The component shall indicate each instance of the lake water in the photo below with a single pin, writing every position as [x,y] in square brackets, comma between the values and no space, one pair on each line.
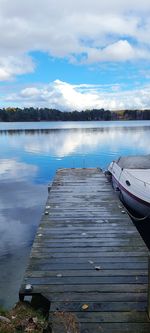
[30,153]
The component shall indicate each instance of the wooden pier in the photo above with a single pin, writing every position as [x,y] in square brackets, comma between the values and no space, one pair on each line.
[88,259]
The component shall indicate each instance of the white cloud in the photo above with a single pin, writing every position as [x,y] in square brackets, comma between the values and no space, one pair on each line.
[11,66]
[119,51]
[64,96]
[100,30]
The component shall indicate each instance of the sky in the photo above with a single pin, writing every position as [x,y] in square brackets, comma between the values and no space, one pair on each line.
[75,54]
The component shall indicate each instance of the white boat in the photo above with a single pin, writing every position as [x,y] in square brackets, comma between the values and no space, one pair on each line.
[130,176]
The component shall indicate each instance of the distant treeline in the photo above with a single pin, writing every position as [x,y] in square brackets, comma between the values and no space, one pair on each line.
[41,114]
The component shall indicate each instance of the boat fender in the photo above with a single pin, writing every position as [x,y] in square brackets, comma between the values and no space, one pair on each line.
[108,175]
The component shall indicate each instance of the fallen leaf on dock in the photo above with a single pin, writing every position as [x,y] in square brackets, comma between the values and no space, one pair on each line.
[59,275]
[97,268]
[85,306]
[91,262]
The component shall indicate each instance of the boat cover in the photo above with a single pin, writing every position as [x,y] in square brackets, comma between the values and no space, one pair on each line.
[134,162]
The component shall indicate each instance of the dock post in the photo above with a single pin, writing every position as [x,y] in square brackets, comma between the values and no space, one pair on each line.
[149,286]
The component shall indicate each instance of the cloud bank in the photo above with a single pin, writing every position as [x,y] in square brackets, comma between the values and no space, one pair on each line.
[82,31]
[66,97]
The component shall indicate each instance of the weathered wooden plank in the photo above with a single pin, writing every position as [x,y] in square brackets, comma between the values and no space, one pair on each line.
[114,262]
[112,317]
[85,297]
[105,219]
[88,242]
[79,209]
[91,280]
[114,246]
[93,226]
[112,328]
[94,244]
[45,265]
[87,288]
[122,306]
[103,249]
[89,234]
[83,257]
[82,272]
[126,255]
[98,297]
[86,239]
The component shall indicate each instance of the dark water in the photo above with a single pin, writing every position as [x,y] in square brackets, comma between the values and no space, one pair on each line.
[30,153]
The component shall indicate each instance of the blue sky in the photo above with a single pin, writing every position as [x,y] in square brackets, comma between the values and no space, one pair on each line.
[75,54]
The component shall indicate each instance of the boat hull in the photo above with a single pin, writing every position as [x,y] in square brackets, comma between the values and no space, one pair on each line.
[131,201]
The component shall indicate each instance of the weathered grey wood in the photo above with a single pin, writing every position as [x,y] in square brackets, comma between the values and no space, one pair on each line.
[91,254]
[133,264]
[85,273]
[87,250]
[79,280]
[84,257]
[58,266]
[102,288]
[87,241]
[85,297]
[103,249]
[115,328]
[112,317]
[99,306]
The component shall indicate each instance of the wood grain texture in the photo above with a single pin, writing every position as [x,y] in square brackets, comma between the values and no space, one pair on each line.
[87,251]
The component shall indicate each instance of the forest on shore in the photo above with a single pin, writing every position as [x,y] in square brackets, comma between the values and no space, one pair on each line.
[46,114]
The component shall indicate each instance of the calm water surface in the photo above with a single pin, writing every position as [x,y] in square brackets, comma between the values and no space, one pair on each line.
[30,153]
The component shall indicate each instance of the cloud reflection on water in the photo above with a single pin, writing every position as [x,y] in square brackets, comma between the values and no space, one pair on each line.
[21,204]
[62,143]
[13,170]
